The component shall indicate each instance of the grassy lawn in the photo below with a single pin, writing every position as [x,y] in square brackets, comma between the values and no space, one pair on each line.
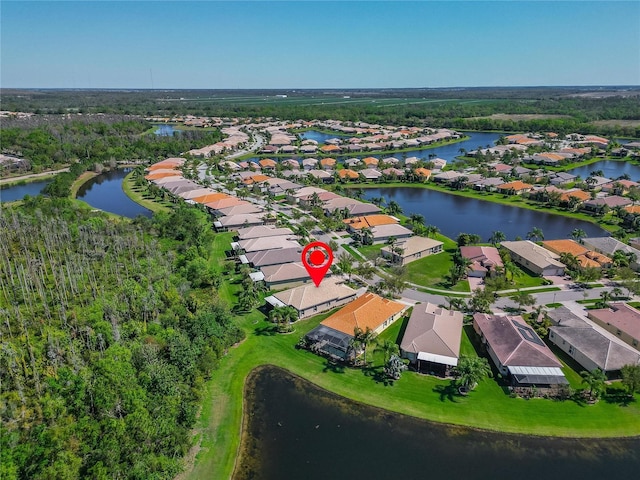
[138,195]
[431,271]
[523,279]
[371,252]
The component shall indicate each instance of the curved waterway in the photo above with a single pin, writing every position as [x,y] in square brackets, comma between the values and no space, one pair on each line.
[454,214]
[17,192]
[105,192]
[294,429]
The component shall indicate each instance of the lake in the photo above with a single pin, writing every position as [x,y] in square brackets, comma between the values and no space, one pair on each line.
[297,430]
[105,193]
[321,137]
[17,192]
[453,214]
[611,169]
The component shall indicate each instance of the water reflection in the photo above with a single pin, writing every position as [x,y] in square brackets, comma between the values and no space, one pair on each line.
[453,214]
[105,192]
[296,430]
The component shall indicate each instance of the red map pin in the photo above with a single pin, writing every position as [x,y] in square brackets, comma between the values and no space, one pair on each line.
[317,257]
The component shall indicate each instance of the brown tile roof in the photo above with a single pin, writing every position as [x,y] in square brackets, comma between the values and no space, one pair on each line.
[267,163]
[157,175]
[369,310]
[328,162]
[622,316]
[565,246]
[330,148]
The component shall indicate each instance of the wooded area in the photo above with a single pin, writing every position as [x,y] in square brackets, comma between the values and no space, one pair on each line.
[109,330]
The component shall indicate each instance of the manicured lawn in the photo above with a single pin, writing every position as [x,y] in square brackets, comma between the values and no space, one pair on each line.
[523,279]
[371,251]
[430,271]
[138,195]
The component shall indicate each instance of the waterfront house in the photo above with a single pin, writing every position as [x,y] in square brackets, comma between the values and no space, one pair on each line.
[347,174]
[609,246]
[355,224]
[518,352]
[321,175]
[431,341]
[413,248]
[328,163]
[534,258]
[371,174]
[334,335]
[606,203]
[620,319]
[586,257]
[382,233]
[309,300]
[589,344]
[514,188]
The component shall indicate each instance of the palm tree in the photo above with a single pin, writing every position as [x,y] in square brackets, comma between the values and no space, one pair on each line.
[578,234]
[345,264]
[416,219]
[535,234]
[594,380]
[432,230]
[524,299]
[394,208]
[497,237]
[364,338]
[387,348]
[378,201]
[470,371]
[365,270]
[367,236]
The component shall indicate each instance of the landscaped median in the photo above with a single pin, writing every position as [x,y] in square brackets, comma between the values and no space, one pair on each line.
[488,407]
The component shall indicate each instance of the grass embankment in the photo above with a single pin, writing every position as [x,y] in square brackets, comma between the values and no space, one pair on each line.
[78,182]
[138,195]
[488,407]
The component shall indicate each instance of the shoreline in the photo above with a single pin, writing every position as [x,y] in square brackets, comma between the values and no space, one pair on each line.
[31,177]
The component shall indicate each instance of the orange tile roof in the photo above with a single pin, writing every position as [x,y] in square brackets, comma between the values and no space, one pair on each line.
[369,310]
[551,156]
[267,162]
[370,161]
[330,148]
[210,197]
[517,185]
[225,202]
[579,194]
[328,162]
[348,173]
[255,179]
[565,246]
[423,172]
[367,221]
[166,164]
[635,209]
[156,176]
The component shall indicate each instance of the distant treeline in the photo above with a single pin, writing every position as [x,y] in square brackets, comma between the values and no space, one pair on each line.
[109,330]
[84,145]
[456,108]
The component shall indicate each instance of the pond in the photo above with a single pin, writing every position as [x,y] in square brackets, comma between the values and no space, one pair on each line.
[297,430]
[453,215]
[611,169]
[17,192]
[321,137]
[105,192]
[165,130]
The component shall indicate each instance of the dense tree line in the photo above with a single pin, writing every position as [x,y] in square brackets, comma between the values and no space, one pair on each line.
[63,142]
[457,108]
[106,340]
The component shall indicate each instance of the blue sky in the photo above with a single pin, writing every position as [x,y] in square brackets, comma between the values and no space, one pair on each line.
[318,44]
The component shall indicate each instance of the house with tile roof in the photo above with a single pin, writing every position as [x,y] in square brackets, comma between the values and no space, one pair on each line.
[334,334]
[621,319]
[431,341]
[285,275]
[518,352]
[589,344]
[411,249]
[348,174]
[484,260]
[534,258]
[328,163]
[262,231]
[263,258]
[355,224]
[309,300]
[514,188]
[587,258]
